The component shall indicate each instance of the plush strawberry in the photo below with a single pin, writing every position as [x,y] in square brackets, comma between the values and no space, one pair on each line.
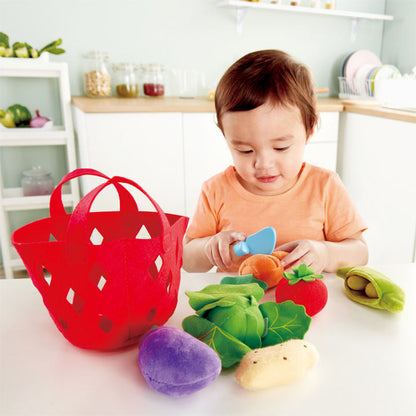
[303,287]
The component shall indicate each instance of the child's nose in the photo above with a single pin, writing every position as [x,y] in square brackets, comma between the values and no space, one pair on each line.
[263,161]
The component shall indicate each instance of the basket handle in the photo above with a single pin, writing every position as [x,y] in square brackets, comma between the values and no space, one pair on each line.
[56,206]
[76,235]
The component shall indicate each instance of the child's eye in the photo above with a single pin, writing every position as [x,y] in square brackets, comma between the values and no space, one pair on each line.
[281,149]
[245,152]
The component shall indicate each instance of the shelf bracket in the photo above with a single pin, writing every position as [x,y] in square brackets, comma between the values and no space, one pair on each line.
[355,24]
[240,14]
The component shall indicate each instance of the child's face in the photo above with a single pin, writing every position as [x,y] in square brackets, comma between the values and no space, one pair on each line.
[267,145]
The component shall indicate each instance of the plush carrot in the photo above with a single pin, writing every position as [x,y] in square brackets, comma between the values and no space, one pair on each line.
[266,267]
[303,287]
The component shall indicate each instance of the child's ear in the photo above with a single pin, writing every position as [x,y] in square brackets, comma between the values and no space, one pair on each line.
[311,132]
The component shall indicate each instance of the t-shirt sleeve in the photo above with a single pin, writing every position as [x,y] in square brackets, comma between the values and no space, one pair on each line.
[204,221]
[342,217]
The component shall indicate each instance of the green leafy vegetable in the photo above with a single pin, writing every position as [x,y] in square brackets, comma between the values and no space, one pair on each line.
[52,47]
[286,321]
[243,279]
[229,348]
[4,40]
[24,50]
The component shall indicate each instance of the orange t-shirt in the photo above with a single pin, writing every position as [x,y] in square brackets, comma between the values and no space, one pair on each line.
[317,207]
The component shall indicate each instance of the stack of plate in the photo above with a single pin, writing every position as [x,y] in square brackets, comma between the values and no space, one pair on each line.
[359,70]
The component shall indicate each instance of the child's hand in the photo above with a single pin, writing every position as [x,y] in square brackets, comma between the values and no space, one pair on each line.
[219,251]
[312,253]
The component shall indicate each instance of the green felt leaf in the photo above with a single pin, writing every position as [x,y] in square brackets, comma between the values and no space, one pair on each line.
[286,321]
[242,320]
[229,348]
[243,279]
[206,298]
[303,272]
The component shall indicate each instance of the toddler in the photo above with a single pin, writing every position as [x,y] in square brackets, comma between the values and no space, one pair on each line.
[266,109]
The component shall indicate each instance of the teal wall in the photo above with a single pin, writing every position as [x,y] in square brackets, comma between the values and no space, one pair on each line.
[187,34]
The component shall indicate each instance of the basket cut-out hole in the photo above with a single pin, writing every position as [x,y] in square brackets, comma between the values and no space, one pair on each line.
[143,233]
[151,314]
[75,301]
[46,275]
[105,325]
[98,276]
[158,263]
[96,237]
[52,237]
[63,324]
[101,283]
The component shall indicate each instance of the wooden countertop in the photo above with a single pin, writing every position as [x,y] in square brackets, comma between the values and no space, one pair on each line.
[167,104]
[204,105]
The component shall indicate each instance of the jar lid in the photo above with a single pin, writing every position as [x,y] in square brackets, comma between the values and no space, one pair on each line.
[36,171]
[152,67]
[95,55]
[125,66]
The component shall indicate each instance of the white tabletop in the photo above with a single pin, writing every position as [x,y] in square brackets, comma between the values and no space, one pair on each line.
[367,363]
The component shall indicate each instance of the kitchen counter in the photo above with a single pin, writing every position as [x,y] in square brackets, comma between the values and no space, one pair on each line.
[167,104]
[367,363]
[201,105]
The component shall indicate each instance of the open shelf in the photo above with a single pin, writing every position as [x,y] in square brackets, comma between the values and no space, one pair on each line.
[33,137]
[14,200]
[243,6]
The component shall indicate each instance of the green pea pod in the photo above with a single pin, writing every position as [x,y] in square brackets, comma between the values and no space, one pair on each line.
[387,295]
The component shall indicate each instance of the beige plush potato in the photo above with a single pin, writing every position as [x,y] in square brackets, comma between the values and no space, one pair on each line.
[275,365]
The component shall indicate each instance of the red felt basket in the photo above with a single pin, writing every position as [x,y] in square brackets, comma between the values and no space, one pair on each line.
[104,296]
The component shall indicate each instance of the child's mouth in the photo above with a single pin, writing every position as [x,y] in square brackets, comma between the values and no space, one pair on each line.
[267,179]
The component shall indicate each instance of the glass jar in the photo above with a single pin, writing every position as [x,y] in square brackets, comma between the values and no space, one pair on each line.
[330,4]
[153,80]
[37,181]
[125,78]
[97,78]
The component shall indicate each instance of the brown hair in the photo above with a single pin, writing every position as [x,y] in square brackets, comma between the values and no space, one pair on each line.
[267,75]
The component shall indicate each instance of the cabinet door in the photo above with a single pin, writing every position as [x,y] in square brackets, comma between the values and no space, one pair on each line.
[206,153]
[322,147]
[144,147]
[378,168]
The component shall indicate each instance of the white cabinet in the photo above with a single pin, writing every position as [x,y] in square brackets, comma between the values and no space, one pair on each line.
[377,165]
[144,147]
[11,198]
[206,153]
[322,147]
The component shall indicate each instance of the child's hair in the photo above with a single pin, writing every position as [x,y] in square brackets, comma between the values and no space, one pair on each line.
[267,75]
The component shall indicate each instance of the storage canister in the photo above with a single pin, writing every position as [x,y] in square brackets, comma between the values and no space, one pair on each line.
[97,78]
[153,80]
[37,181]
[125,78]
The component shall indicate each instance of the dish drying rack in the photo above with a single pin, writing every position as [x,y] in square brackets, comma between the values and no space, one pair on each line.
[362,90]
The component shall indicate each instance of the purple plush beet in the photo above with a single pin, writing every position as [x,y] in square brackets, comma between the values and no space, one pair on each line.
[175,363]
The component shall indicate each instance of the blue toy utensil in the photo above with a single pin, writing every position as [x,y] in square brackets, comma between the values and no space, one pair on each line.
[262,242]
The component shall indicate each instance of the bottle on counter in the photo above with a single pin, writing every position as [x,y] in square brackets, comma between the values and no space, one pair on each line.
[37,181]
[153,80]
[97,78]
[126,79]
